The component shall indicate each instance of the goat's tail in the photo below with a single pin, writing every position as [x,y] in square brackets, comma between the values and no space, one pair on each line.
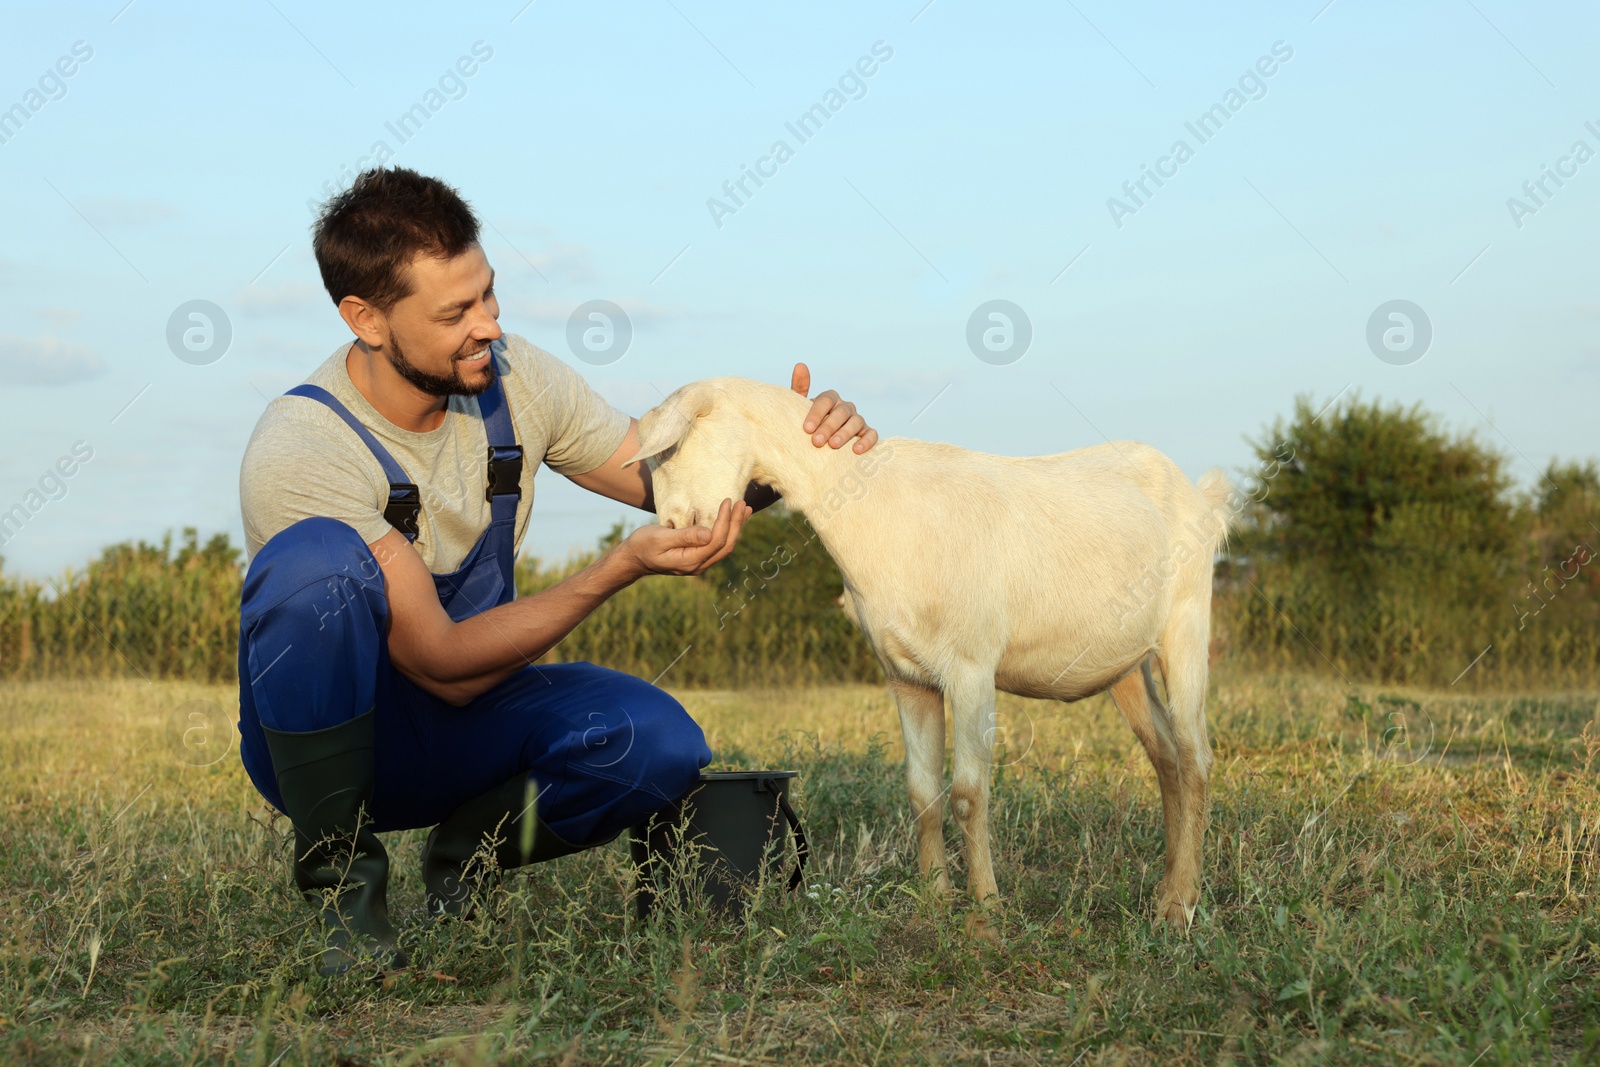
[1220,499]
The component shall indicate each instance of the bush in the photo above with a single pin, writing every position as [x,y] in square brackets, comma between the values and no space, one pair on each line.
[1383,547]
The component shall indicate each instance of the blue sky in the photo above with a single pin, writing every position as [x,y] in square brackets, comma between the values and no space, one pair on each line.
[177,160]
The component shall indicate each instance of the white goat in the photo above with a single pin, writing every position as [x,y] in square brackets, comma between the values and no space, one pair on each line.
[1055,576]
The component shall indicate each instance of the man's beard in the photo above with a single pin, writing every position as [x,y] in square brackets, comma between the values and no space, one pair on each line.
[436,384]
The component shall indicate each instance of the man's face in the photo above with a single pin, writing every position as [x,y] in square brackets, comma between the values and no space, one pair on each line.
[439,336]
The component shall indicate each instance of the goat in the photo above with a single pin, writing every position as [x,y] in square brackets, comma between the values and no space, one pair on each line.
[1057,576]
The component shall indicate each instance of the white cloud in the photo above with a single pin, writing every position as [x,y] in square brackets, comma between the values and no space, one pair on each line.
[60,318]
[878,383]
[525,244]
[46,360]
[633,395]
[283,298]
[123,211]
[269,348]
[273,381]
[868,388]
[550,312]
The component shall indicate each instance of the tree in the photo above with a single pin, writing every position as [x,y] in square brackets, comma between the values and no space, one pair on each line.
[1566,511]
[1336,485]
[1383,541]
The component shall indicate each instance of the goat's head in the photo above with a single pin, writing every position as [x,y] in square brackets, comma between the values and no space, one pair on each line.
[697,446]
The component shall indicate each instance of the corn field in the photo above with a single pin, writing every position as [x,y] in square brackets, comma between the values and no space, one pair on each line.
[767,615]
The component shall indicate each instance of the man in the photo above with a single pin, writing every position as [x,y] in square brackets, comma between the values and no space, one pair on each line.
[386,672]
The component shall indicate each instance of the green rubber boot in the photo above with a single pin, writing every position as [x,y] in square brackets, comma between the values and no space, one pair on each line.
[339,865]
[502,823]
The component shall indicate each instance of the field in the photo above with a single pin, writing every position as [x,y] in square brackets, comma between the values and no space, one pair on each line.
[1392,876]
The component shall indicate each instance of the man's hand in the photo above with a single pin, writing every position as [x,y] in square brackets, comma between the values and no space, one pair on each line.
[658,549]
[832,421]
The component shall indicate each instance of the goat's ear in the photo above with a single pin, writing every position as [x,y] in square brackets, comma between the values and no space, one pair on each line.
[665,425]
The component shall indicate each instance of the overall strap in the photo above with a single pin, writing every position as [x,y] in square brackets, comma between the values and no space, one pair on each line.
[405,503]
[505,455]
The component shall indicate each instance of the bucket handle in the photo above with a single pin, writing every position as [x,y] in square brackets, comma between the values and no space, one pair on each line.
[801,849]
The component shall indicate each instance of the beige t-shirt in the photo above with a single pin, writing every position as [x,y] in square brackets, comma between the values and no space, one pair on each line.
[304,460]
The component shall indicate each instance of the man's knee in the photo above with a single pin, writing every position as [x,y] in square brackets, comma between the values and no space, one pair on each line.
[322,562]
[678,748]
[641,734]
[311,627]
[318,544]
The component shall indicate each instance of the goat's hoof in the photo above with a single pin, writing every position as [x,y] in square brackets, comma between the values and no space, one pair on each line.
[980,928]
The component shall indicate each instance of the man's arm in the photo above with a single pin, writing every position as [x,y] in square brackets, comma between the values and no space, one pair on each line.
[456,661]
[831,421]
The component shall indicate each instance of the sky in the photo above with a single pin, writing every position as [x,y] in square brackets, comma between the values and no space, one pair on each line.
[1335,158]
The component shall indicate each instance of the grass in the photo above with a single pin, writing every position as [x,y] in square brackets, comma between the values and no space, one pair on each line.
[1392,876]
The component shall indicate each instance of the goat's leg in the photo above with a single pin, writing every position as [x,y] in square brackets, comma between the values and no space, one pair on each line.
[1185,653]
[922,726]
[1133,701]
[972,712]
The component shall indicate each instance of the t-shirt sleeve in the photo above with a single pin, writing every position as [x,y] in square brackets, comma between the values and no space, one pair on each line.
[295,468]
[585,428]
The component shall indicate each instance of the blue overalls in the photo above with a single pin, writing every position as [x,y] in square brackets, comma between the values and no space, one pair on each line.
[605,749]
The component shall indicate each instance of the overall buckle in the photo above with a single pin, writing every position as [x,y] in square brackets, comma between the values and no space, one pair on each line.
[405,508]
[505,472]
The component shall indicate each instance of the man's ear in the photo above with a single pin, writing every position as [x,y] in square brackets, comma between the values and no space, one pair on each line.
[666,424]
[365,321]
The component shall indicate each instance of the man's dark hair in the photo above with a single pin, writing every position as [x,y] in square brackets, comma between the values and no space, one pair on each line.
[367,234]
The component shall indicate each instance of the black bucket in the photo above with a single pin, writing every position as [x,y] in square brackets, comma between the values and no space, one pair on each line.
[736,821]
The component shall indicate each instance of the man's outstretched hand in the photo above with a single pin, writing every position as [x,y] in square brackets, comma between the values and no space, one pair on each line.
[831,420]
[659,549]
